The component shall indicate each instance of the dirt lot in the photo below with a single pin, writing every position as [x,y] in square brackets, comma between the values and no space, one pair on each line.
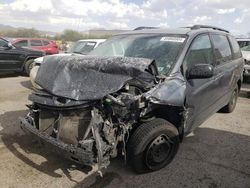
[216,155]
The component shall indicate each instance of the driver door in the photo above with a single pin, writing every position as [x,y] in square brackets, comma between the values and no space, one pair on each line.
[202,94]
[9,57]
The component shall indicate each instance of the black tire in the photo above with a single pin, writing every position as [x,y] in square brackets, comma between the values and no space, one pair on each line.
[232,103]
[153,145]
[28,65]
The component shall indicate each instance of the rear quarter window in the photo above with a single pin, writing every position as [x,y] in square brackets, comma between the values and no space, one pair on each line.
[235,47]
[222,48]
[45,43]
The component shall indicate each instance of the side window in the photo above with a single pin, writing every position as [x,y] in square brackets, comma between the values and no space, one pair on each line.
[36,43]
[246,43]
[243,43]
[200,52]
[235,47]
[222,48]
[3,43]
[45,43]
[118,49]
[21,43]
[240,43]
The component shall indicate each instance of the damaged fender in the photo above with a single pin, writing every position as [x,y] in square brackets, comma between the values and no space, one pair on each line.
[171,91]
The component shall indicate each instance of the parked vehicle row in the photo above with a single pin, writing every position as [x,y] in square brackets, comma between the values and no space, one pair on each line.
[138,94]
[17,59]
[19,55]
[48,46]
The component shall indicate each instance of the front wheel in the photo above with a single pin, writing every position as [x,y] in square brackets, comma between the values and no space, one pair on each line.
[153,145]
[28,66]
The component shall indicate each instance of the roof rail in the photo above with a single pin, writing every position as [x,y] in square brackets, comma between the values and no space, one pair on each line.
[208,27]
[144,27]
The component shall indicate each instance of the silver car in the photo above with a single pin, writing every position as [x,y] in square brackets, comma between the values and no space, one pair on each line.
[245,49]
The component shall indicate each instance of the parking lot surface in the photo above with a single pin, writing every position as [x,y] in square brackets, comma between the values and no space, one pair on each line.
[217,154]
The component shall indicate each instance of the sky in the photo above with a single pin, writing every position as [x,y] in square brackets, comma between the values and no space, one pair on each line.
[57,15]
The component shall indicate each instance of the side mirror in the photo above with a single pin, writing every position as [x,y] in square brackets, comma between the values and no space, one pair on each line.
[200,71]
[9,45]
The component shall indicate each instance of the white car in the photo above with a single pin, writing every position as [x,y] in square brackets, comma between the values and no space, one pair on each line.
[81,47]
[245,49]
[85,46]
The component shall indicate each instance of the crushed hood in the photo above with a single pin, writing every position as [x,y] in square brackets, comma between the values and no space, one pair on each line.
[91,77]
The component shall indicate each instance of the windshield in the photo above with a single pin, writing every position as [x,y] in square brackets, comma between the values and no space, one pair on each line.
[82,47]
[164,49]
[246,48]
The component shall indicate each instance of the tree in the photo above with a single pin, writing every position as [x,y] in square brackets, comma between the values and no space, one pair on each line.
[20,33]
[71,35]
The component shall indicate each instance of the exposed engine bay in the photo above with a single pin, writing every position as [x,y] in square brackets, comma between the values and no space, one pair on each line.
[89,106]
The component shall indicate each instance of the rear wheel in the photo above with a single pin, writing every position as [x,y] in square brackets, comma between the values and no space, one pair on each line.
[153,145]
[28,66]
[232,103]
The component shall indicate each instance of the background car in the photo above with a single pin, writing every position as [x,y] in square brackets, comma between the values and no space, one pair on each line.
[245,49]
[14,58]
[81,47]
[85,46]
[243,42]
[49,47]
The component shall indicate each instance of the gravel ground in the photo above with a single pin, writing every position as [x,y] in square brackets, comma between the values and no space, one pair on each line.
[215,155]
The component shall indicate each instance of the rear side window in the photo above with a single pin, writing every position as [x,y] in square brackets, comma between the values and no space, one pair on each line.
[235,47]
[21,43]
[45,43]
[222,48]
[36,43]
[200,52]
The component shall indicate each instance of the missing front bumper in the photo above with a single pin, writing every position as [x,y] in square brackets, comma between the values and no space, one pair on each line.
[69,151]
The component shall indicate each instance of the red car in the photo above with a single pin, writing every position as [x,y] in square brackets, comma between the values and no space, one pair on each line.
[49,47]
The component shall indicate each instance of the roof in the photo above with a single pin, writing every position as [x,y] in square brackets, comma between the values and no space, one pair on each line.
[177,31]
[181,31]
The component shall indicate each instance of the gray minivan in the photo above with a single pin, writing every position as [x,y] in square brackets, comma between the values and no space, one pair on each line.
[136,95]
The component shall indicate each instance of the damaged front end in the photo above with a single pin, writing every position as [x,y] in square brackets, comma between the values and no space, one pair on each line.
[89,105]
